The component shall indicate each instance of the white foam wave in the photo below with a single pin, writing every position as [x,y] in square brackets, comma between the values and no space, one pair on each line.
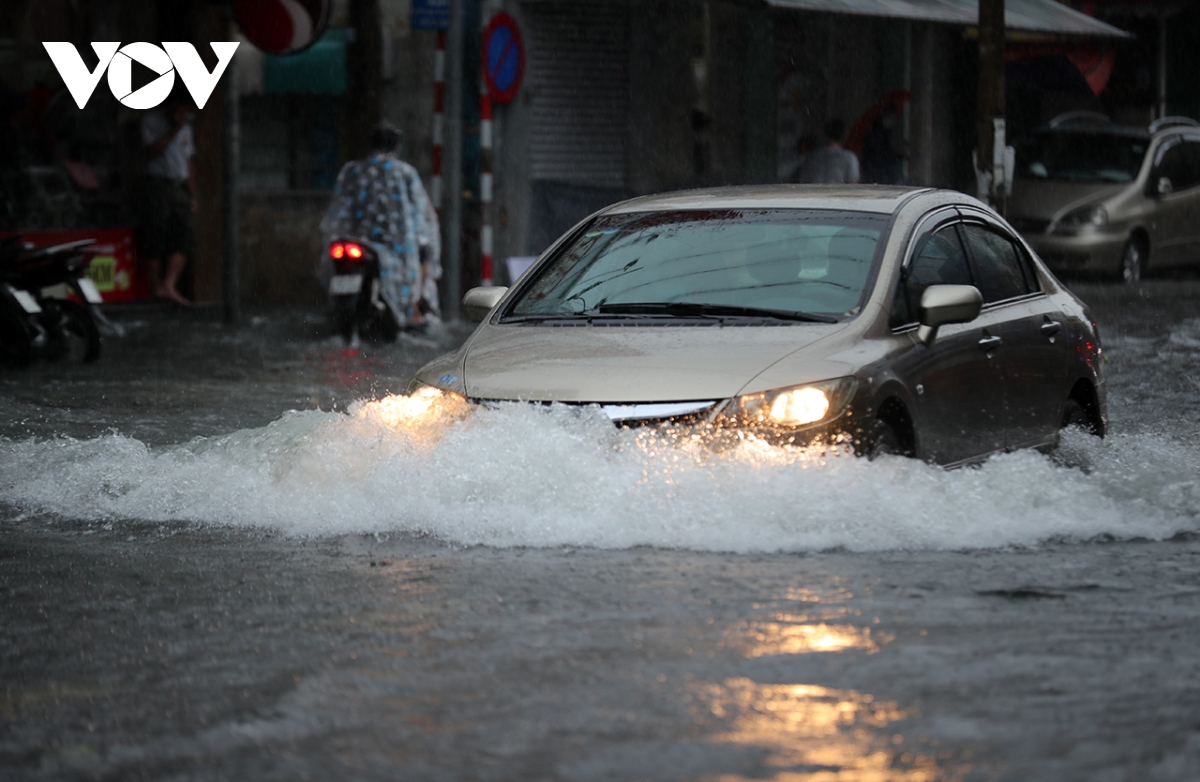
[518,476]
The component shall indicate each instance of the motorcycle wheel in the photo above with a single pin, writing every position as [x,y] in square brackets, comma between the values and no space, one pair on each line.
[16,343]
[74,336]
[345,313]
[384,327]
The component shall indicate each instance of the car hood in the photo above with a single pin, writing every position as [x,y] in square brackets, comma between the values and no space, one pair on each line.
[626,364]
[1047,199]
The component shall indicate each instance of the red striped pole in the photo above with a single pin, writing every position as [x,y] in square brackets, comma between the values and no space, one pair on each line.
[485,183]
[439,97]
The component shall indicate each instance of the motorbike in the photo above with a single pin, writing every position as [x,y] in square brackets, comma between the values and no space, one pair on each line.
[354,290]
[48,306]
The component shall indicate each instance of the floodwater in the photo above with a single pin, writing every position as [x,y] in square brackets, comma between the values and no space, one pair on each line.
[230,554]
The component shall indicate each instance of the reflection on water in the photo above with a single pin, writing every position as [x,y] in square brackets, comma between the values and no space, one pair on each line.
[818,628]
[346,367]
[812,733]
[832,593]
[820,734]
[795,634]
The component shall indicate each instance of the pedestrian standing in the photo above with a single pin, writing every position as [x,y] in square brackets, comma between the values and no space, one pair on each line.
[168,227]
[831,163]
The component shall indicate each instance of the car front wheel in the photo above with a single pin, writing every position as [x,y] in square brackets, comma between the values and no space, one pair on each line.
[883,441]
[1133,262]
[1075,416]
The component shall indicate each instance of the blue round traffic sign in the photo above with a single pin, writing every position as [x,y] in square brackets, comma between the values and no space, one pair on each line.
[503,58]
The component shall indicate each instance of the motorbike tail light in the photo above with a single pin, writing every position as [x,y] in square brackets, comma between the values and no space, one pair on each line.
[346,252]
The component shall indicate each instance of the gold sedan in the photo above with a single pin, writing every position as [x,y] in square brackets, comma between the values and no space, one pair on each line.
[911,321]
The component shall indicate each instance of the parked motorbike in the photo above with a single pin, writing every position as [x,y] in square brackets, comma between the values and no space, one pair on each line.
[358,309]
[48,307]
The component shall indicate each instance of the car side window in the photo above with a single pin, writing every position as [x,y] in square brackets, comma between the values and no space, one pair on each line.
[1172,163]
[939,259]
[1191,149]
[998,263]
[1032,283]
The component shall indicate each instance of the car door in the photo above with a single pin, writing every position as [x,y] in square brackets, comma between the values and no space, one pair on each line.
[1170,181]
[1190,247]
[959,406]
[1032,356]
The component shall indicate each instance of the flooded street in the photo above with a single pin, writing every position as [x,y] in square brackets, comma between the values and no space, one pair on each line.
[224,556]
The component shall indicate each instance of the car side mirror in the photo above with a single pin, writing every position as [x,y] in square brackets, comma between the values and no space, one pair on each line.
[478,302]
[945,304]
[1164,186]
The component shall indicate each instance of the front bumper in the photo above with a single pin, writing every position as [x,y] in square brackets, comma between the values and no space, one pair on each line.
[835,431]
[706,417]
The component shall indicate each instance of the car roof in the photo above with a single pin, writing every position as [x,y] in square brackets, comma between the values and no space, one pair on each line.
[880,199]
[1097,123]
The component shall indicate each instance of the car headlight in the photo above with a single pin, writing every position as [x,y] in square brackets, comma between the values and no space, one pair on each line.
[1085,215]
[422,399]
[421,405]
[792,407]
[420,388]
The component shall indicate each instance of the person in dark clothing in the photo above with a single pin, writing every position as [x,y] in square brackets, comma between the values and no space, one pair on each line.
[882,151]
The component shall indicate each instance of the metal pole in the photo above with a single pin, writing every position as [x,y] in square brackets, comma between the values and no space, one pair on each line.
[991,84]
[1162,67]
[439,121]
[485,182]
[921,168]
[452,268]
[231,288]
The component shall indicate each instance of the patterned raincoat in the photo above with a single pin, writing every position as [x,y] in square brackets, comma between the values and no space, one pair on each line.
[380,200]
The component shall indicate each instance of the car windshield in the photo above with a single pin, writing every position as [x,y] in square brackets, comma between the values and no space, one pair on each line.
[719,263]
[1080,156]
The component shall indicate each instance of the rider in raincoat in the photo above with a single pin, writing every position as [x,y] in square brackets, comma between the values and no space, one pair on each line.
[380,200]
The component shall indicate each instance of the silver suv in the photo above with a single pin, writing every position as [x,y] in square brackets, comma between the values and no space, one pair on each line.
[1095,197]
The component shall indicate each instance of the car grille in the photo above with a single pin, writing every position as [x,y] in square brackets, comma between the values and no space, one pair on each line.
[682,322]
[654,414]
[638,415]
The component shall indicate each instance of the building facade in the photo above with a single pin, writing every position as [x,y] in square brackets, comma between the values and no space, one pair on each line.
[618,98]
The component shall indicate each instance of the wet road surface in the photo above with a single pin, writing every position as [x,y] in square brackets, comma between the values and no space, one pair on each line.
[161,633]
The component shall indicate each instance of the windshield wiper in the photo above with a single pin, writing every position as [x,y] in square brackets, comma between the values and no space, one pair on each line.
[540,317]
[685,309]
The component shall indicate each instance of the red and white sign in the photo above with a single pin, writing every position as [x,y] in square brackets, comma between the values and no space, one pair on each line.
[114,268]
[282,26]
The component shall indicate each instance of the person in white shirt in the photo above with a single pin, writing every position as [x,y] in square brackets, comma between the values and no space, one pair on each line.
[831,164]
[168,231]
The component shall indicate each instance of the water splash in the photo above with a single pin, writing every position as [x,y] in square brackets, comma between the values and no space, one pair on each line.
[544,477]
